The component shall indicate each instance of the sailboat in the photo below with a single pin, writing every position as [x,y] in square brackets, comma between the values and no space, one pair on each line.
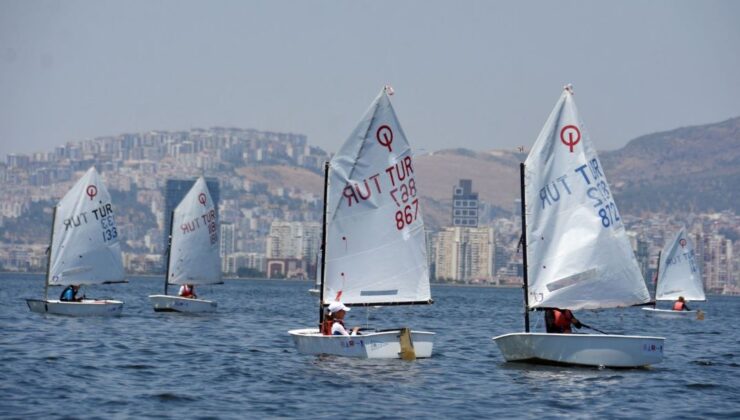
[373,241]
[84,249]
[576,252]
[678,275]
[193,251]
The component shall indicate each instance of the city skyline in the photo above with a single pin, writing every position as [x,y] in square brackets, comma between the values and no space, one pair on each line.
[478,75]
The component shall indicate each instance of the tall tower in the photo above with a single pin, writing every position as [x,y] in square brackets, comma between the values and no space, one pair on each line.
[464,204]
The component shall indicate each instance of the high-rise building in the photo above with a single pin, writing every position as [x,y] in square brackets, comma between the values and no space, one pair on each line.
[643,259]
[718,262]
[175,191]
[464,204]
[299,240]
[464,254]
[227,245]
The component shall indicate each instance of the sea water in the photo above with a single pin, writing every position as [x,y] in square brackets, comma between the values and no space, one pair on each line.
[241,363]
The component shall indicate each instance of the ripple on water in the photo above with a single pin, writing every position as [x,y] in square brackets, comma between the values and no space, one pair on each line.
[137,366]
[701,386]
[172,397]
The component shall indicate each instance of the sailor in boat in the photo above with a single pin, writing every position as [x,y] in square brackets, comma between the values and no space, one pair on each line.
[187,291]
[337,311]
[680,305]
[559,321]
[69,294]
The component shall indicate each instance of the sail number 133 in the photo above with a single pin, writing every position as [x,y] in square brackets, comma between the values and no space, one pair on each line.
[408,204]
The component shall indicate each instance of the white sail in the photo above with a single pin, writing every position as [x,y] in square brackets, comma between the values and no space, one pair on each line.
[375,251]
[678,274]
[85,248]
[578,254]
[194,253]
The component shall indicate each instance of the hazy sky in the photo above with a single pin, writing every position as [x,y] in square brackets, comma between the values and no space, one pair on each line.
[475,74]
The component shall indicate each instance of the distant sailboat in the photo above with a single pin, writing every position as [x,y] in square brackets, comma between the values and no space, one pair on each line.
[678,276]
[193,256]
[373,239]
[576,252]
[84,249]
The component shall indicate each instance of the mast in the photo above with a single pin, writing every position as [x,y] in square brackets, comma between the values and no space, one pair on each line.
[525,286]
[657,277]
[323,246]
[48,258]
[169,252]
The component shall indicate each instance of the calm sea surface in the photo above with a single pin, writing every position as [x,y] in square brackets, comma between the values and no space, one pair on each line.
[241,362]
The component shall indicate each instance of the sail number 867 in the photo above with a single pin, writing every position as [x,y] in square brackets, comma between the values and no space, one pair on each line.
[405,198]
[408,215]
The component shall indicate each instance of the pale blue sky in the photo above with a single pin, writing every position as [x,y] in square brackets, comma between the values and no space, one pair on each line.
[475,74]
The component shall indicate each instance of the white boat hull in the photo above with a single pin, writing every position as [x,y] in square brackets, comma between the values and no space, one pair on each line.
[671,314]
[166,303]
[618,351]
[369,345]
[87,307]
[314,292]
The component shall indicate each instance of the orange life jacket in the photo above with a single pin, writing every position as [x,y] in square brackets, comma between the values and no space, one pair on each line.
[326,326]
[678,306]
[562,320]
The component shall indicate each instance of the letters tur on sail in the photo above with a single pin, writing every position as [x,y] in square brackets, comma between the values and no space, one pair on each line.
[194,251]
[85,248]
[579,256]
[679,274]
[376,245]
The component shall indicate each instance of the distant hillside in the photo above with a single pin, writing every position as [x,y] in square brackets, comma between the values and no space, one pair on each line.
[687,169]
[284,176]
[494,176]
[692,168]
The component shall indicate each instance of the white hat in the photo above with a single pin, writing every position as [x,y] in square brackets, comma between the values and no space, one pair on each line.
[335,307]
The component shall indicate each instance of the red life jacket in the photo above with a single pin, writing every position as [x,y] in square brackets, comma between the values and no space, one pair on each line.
[562,320]
[326,326]
[678,306]
[186,292]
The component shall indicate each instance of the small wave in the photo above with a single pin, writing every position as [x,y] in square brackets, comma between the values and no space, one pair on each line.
[168,396]
[701,386]
[137,366]
[702,362]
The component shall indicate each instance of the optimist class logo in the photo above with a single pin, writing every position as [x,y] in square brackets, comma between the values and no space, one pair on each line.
[202,199]
[91,191]
[384,135]
[573,136]
[682,242]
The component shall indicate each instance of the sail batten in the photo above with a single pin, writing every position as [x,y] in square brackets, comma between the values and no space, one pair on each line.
[679,273]
[579,256]
[85,248]
[194,251]
[376,245]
